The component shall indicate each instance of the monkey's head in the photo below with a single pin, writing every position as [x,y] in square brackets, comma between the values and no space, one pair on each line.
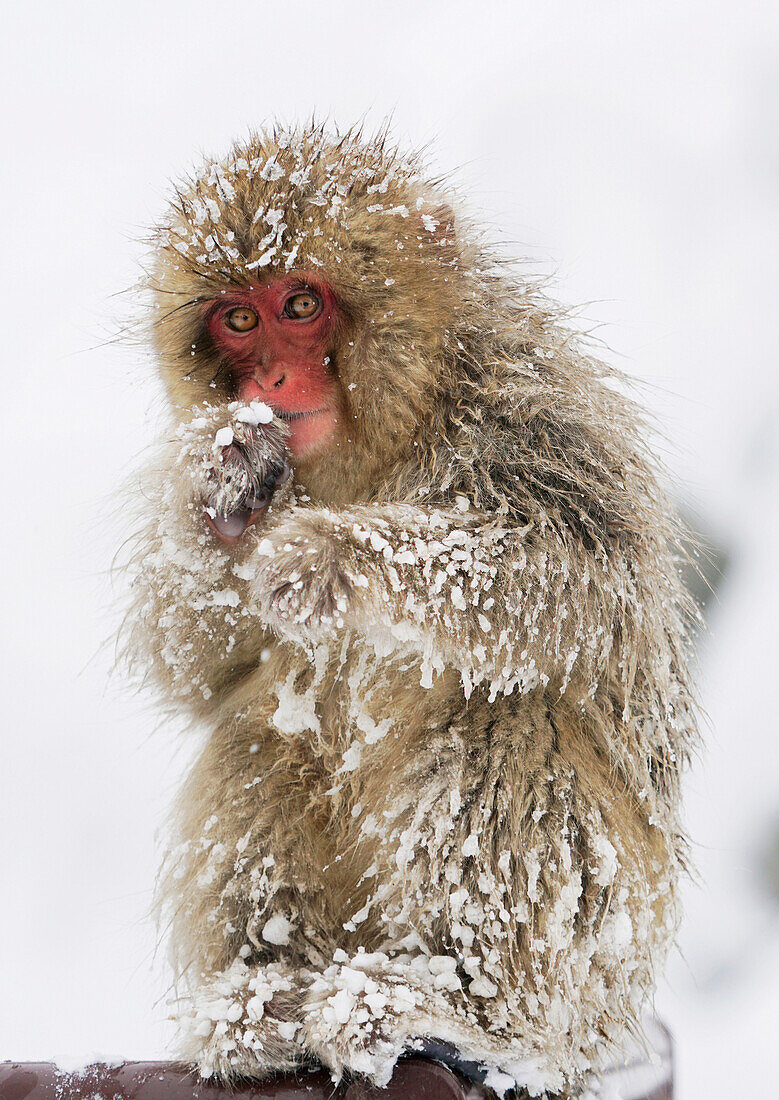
[322,275]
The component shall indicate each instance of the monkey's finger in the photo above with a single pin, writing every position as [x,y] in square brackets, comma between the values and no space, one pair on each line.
[231,528]
[277,476]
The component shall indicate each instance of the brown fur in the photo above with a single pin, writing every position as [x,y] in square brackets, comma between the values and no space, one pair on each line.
[462,630]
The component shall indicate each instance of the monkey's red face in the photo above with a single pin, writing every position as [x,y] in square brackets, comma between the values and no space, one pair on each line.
[279,341]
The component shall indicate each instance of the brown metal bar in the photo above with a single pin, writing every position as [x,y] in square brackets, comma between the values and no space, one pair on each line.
[414,1079]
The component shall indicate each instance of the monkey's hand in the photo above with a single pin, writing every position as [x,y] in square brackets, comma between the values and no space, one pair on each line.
[301,589]
[235,459]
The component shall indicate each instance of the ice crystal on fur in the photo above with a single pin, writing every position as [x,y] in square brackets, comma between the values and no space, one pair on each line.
[445,679]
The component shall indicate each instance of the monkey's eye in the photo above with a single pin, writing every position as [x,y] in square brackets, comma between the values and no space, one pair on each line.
[241,319]
[302,306]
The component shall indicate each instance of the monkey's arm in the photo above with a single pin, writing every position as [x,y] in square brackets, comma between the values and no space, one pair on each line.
[504,602]
[509,605]
[190,627]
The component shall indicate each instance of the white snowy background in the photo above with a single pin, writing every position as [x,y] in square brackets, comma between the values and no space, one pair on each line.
[631,151]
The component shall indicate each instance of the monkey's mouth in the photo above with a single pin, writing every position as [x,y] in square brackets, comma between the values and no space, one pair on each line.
[302,415]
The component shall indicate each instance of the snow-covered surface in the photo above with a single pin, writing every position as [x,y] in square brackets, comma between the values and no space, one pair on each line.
[628,149]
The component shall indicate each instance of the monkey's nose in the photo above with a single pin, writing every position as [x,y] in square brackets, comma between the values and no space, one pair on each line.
[260,385]
[272,378]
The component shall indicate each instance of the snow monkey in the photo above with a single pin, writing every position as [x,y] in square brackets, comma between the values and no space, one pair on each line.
[407,561]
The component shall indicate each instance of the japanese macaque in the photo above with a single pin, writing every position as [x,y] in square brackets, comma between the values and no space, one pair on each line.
[407,559]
